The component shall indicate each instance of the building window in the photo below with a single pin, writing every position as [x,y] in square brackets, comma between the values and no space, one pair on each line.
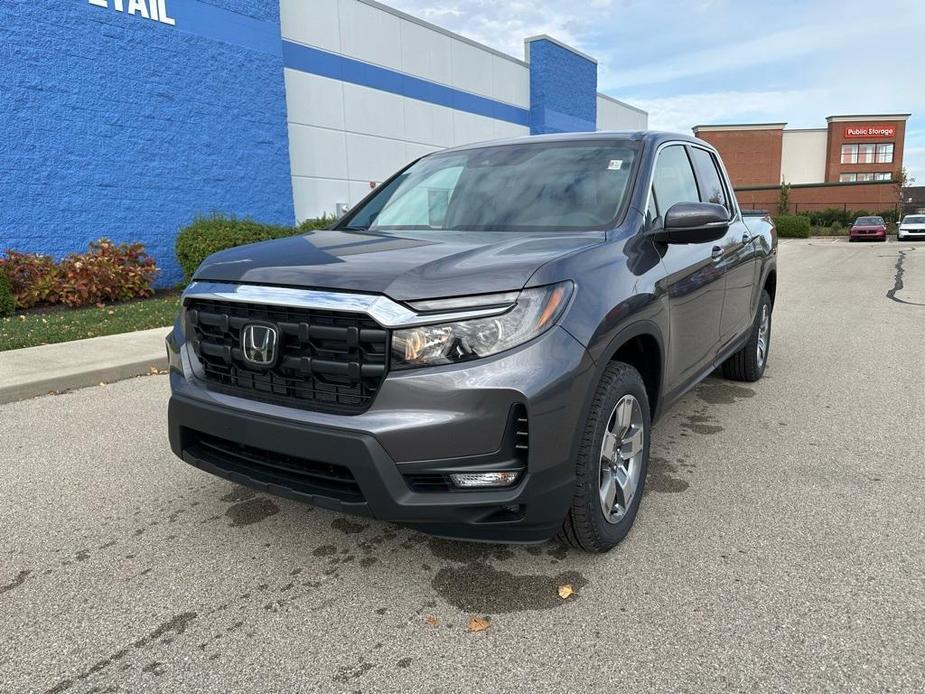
[847,178]
[866,154]
[865,177]
[883,176]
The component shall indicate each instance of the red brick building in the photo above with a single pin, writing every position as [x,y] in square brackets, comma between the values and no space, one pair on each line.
[851,163]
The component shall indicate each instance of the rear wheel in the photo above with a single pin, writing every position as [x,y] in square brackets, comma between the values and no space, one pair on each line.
[748,363]
[612,461]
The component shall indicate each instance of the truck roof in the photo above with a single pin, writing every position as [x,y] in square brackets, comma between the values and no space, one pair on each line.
[653,137]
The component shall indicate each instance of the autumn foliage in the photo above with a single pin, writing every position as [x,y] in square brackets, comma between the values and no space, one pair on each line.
[107,272]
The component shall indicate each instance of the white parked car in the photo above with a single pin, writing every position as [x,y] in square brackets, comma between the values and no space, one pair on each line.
[912,227]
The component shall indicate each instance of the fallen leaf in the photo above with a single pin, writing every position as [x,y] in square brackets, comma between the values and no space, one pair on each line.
[431,620]
[565,592]
[152,370]
[479,623]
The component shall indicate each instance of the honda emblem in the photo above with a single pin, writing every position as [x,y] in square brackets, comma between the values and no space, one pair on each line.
[258,343]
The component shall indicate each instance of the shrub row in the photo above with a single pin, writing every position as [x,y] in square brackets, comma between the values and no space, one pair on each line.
[793,226]
[828,217]
[106,272]
[208,235]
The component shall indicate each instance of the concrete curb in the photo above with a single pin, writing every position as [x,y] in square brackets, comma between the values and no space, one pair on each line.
[26,373]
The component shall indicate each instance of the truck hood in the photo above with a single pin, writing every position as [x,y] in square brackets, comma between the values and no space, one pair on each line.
[402,265]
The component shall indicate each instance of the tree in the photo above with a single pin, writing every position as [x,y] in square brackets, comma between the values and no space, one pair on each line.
[783,200]
[901,183]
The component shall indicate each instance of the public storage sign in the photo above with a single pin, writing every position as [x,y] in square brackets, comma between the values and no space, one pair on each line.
[149,9]
[870,131]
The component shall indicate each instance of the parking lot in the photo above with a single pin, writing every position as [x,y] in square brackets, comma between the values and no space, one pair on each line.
[780,545]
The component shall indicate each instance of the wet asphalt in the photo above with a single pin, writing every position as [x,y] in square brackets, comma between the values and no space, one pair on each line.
[780,545]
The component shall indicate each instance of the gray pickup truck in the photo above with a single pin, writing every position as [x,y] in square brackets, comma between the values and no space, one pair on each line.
[480,347]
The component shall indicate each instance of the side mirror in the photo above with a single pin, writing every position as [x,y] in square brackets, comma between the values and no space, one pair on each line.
[694,222]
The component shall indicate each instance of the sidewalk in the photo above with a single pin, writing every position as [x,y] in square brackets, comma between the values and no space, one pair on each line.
[25,373]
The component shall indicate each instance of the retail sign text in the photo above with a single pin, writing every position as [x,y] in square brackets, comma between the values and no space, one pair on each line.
[870,131]
[149,9]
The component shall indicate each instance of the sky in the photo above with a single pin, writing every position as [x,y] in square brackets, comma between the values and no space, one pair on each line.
[690,62]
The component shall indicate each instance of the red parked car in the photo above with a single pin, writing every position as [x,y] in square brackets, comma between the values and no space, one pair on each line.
[868,228]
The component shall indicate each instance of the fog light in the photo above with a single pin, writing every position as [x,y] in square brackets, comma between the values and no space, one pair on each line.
[485,479]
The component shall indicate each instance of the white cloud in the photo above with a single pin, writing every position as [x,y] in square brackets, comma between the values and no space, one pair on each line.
[504,25]
[681,112]
[728,55]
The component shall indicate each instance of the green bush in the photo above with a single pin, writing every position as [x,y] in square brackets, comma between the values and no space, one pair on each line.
[208,235]
[792,226]
[7,301]
[322,222]
[839,215]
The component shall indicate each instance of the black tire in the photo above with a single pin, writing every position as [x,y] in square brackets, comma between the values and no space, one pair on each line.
[745,365]
[585,526]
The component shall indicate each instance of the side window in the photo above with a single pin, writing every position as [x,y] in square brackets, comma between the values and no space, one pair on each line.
[673,181]
[711,183]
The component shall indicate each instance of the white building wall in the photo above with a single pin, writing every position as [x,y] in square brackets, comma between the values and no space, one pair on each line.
[616,115]
[803,156]
[345,138]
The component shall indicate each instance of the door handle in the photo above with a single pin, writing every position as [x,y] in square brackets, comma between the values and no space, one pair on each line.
[716,253]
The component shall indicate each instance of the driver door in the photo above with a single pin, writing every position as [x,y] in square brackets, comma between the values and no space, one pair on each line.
[694,282]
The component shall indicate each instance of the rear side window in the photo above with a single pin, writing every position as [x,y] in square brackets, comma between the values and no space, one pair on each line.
[711,183]
[673,181]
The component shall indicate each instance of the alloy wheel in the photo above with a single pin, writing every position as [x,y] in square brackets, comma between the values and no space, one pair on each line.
[764,334]
[621,458]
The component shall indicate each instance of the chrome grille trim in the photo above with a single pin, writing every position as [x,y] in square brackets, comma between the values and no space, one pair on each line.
[382,309]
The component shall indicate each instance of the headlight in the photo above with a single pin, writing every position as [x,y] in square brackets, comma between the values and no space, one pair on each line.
[536,311]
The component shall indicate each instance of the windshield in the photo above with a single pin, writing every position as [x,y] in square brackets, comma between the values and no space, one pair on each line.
[531,186]
[869,221]
[914,220]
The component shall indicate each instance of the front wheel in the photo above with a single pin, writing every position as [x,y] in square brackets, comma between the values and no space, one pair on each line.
[748,363]
[613,456]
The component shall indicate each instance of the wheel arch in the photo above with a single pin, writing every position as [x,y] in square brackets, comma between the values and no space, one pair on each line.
[770,284]
[641,346]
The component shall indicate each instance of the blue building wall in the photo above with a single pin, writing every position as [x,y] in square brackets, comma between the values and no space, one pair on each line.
[116,125]
[563,89]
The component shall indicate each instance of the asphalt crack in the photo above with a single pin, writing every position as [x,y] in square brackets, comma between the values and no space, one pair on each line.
[898,281]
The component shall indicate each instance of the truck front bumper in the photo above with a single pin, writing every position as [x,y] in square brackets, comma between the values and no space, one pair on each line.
[423,424]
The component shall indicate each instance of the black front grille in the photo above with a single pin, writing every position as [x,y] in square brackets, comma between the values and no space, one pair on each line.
[328,361]
[298,474]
